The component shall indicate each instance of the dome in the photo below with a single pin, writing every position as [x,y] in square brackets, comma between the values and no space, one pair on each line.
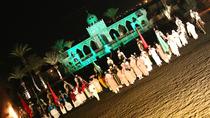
[91,19]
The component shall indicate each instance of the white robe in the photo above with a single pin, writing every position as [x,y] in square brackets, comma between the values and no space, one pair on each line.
[93,91]
[176,38]
[54,112]
[183,38]
[155,56]
[62,108]
[79,98]
[147,61]
[110,62]
[122,77]
[113,86]
[191,30]
[68,106]
[128,72]
[135,68]
[142,66]
[173,47]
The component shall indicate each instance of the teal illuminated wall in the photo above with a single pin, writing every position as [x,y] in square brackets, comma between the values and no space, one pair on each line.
[103,38]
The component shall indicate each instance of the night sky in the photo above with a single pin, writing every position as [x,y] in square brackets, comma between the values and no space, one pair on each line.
[41,24]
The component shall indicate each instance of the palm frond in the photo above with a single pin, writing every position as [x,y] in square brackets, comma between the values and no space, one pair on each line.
[20,50]
[34,62]
[59,45]
[51,57]
[18,73]
[68,44]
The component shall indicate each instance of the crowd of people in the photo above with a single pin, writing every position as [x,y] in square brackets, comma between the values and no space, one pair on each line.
[125,72]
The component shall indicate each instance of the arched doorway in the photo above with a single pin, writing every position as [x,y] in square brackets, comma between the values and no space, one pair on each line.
[122,30]
[87,51]
[113,33]
[128,25]
[79,52]
[94,46]
[104,38]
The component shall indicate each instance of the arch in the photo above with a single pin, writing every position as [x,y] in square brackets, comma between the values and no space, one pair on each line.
[114,33]
[134,19]
[137,25]
[86,50]
[104,38]
[79,52]
[94,45]
[122,29]
[128,25]
[143,23]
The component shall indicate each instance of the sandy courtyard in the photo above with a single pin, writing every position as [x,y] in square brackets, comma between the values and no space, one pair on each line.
[180,89]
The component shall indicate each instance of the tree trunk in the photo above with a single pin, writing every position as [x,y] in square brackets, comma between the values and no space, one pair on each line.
[35,83]
[26,92]
[59,73]
[43,83]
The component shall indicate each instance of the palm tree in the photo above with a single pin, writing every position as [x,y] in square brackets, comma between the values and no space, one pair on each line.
[20,50]
[19,74]
[60,45]
[34,65]
[68,44]
[111,13]
[52,58]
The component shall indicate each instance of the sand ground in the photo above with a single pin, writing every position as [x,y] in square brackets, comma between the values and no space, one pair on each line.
[180,89]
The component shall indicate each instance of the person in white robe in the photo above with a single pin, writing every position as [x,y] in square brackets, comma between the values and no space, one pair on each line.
[135,68]
[197,19]
[178,22]
[145,57]
[167,11]
[84,86]
[140,63]
[183,38]
[62,108]
[96,83]
[140,45]
[78,100]
[80,95]
[172,44]
[121,55]
[152,52]
[63,100]
[53,111]
[191,30]
[128,72]
[110,62]
[122,77]
[93,91]
[164,56]
[176,38]
[192,15]
[199,22]
[111,82]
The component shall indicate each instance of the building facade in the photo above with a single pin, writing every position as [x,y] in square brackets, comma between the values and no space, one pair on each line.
[105,39]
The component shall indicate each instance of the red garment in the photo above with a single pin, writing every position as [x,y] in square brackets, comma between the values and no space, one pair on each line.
[72,96]
[55,98]
[142,38]
[80,89]
[83,87]
[25,106]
